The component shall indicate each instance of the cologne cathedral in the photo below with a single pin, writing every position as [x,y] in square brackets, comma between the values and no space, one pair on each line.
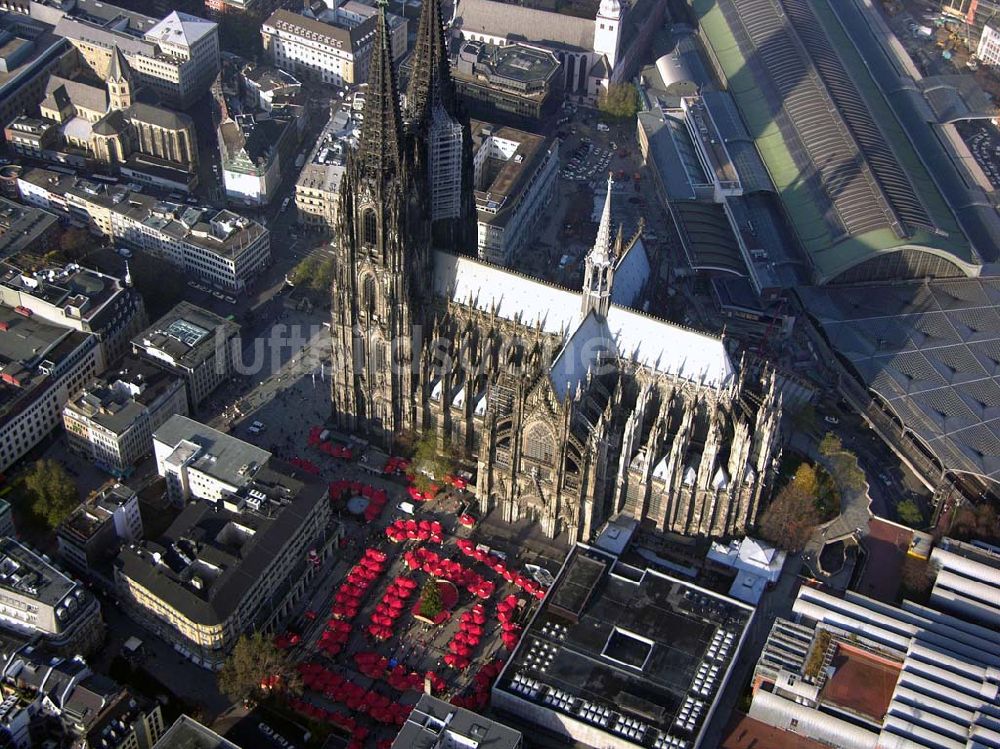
[575,404]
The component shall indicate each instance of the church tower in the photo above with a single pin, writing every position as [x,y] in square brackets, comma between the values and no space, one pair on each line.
[600,266]
[119,81]
[382,263]
[608,30]
[443,138]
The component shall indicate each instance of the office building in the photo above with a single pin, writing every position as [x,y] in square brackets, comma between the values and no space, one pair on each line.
[112,419]
[41,365]
[515,174]
[435,724]
[516,79]
[220,247]
[988,49]
[177,56]
[193,344]
[77,298]
[24,227]
[317,190]
[855,672]
[92,533]
[332,47]
[240,554]
[37,599]
[187,732]
[620,656]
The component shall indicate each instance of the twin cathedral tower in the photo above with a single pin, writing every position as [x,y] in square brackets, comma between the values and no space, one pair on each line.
[574,405]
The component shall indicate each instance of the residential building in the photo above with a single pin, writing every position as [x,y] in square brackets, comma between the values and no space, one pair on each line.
[856,672]
[16,714]
[30,51]
[988,49]
[435,724]
[176,56]
[129,722]
[259,133]
[515,175]
[41,365]
[24,227]
[218,246]
[112,419]
[194,344]
[347,14]
[92,533]
[78,298]
[333,48]
[241,553]
[38,599]
[317,190]
[6,519]
[620,656]
[614,410]
[515,79]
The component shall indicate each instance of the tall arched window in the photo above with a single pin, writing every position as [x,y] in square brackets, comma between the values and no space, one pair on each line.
[368,294]
[369,227]
[539,444]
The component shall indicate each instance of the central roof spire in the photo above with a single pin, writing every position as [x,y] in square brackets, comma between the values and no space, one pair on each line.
[380,151]
[601,254]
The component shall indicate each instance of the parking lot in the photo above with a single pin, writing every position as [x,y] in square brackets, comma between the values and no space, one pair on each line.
[983,140]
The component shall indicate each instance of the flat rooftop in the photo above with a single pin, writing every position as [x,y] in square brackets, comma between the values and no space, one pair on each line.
[186,336]
[187,733]
[744,732]
[24,572]
[220,455]
[631,652]
[434,724]
[512,161]
[116,398]
[862,684]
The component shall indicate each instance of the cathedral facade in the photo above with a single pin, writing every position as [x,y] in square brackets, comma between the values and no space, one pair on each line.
[574,404]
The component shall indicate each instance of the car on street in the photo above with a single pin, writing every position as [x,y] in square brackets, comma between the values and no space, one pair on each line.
[831,420]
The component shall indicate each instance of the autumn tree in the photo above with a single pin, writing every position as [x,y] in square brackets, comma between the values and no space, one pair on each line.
[52,492]
[792,516]
[619,100]
[255,667]
[430,463]
[915,578]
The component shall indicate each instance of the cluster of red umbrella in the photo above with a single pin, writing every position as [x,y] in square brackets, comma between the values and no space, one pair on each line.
[509,629]
[467,520]
[347,600]
[286,640]
[400,677]
[334,717]
[395,465]
[334,637]
[410,530]
[447,569]
[391,607]
[341,490]
[330,448]
[470,632]
[306,465]
[418,496]
[479,696]
[357,699]
[499,566]
[457,481]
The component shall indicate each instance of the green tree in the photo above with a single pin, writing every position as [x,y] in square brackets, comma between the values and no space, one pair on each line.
[792,516]
[314,272]
[250,670]
[909,512]
[916,579]
[430,599]
[429,463]
[52,492]
[830,444]
[620,101]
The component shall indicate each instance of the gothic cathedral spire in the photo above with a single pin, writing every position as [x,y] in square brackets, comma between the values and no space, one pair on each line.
[380,153]
[430,80]
[600,266]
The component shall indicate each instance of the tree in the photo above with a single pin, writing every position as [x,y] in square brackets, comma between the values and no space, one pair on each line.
[430,599]
[73,241]
[909,512]
[620,100]
[792,515]
[916,578]
[979,522]
[256,667]
[429,463]
[830,444]
[52,492]
[314,272]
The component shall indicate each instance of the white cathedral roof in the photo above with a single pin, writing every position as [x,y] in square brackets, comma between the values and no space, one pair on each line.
[468,281]
[654,343]
[631,272]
